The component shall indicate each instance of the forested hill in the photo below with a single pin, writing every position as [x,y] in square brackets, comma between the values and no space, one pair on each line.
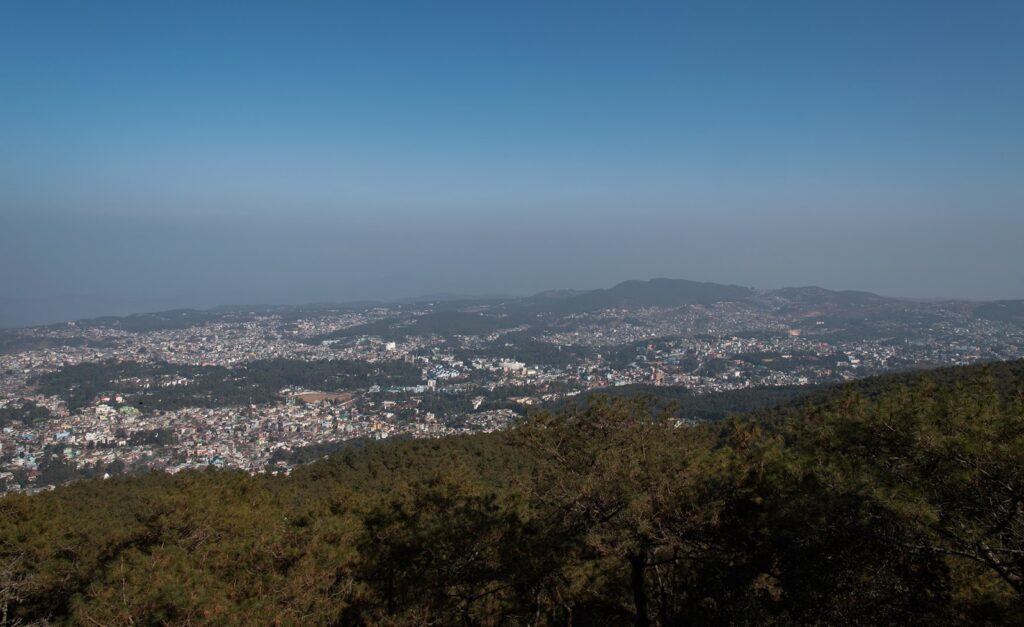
[895,501]
[653,293]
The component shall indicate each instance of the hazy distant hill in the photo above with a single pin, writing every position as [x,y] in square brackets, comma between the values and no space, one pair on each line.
[653,293]
[659,292]
[1002,311]
[813,295]
[680,292]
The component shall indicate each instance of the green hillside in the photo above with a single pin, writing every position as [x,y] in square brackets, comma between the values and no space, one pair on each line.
[899,500]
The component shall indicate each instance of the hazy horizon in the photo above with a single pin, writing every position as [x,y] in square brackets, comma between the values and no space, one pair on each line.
[196,155]
[388,290]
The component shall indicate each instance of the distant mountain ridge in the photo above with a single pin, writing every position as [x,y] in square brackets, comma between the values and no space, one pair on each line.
[658,292]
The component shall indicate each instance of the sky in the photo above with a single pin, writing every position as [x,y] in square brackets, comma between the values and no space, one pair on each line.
[192,154]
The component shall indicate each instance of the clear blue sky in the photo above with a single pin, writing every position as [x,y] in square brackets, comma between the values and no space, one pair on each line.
[193,153]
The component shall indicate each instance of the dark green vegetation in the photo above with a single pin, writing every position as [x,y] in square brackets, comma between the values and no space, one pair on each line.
[523,346]
[899,500]
[17,341]
[441,323]
[24,411]
[683,403]
[162,321]
[173,386]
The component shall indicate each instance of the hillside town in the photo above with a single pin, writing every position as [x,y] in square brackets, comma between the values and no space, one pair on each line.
[265,390]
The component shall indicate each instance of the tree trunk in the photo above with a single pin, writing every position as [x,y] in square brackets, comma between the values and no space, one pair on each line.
[637,564]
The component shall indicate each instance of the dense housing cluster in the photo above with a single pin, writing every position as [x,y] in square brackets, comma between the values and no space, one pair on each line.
[264,390]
